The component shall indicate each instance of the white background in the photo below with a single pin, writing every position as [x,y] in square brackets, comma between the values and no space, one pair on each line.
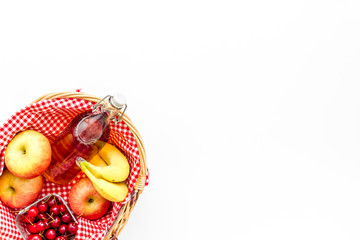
[249,110]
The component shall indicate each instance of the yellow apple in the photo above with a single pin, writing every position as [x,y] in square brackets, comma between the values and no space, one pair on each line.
[16,192]
[28,154]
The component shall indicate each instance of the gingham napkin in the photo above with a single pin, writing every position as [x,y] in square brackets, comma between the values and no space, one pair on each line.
[50,117]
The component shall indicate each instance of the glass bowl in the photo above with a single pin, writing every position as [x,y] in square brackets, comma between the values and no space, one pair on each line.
[21,226]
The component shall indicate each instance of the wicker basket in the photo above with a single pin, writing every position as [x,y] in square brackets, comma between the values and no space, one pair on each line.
[123,215]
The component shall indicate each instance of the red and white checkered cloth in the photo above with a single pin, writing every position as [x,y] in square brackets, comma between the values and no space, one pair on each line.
[50,117]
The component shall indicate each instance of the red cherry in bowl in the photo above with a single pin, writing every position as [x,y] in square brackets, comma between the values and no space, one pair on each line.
[47,224]
[54,210]
[51,202]
[66,218]
[62,229]
[62,208]
[55,223]
[61,238]
[27,219]
[72,228]
[50,234]
[41,226]
[33,211]
[41,216]
[34,237]
[42,207]
[32,228]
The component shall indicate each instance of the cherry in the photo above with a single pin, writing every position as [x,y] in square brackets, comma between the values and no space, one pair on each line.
[51,202]
[32,228]
[46,222]
[55,210]
[62,208]
[41,226]
[62,229]
[41,216]
[42,207]
[50,234]
[33,211]
[66,218]
[61,238]
[27,219]
[72,228]
[55,223]
[34,237]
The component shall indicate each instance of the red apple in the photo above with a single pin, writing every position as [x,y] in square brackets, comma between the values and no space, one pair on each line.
[84,200]
[16,192]
[28,154]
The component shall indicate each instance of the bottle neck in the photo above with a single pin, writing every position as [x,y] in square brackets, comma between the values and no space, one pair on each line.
[108,110]
[111,112]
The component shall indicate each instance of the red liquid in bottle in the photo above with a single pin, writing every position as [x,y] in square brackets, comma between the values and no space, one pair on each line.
[79,139]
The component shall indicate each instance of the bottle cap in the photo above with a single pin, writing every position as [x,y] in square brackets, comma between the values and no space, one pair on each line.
[117,100]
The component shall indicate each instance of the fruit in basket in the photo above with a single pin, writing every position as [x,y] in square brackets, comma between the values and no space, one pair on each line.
[41,226]
[27,219]
[47,225]
[62,229]
[56,222]
[61,238]
[84,200]
[117,169]
[72,228]
[42,207]
[114,192]
[50,234]
[34,237]
[51,202]
[55,210]
[28,154]
[66,218]
[16,192]
[33,211]
[32,228]
[62,209]
[97,161]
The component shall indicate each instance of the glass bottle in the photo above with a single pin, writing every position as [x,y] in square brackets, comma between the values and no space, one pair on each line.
[83,137]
